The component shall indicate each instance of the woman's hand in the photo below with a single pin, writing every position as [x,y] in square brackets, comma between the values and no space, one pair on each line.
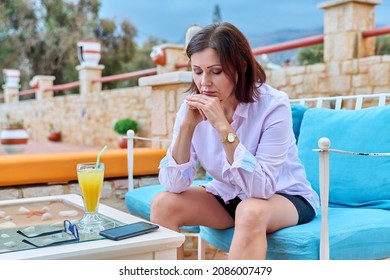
[193,115]
[208,108]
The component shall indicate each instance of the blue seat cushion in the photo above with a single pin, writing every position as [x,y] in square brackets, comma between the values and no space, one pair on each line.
[354,234]
[138,201]
[297,112]
[355,181]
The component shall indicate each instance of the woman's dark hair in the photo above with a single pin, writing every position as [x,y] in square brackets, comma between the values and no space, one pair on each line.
[236,56]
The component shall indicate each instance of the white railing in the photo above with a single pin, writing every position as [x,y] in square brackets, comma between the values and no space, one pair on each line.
[337,102]
[130,154]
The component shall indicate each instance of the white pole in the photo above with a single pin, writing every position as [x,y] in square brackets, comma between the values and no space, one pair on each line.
[130,158]
[324,144]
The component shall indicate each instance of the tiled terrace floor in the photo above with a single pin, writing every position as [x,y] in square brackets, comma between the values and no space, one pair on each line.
[34,147]
[211,254]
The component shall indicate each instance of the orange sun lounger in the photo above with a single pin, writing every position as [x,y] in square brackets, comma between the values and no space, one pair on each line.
[25,169]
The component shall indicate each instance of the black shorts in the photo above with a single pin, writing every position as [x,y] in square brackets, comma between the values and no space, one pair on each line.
[305,211]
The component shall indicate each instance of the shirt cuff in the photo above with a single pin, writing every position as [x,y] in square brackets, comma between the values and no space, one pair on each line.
[242,159]
[184,168]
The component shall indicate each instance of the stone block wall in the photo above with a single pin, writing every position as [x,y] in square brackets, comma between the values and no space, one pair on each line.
[349,77]
[84,120]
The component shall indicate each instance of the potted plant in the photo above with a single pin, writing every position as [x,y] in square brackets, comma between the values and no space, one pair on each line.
[54,134]
[14,136]
[121,127]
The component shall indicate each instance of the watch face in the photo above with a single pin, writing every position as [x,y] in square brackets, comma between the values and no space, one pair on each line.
[231,137]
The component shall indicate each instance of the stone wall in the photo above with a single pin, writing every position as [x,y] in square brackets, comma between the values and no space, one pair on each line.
[84,120]
[349,77]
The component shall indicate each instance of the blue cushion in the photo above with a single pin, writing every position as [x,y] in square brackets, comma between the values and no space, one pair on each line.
[138,201]
[297,112]
[354,233]
[354,180]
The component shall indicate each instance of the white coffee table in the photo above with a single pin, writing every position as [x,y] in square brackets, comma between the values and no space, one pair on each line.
[158,245]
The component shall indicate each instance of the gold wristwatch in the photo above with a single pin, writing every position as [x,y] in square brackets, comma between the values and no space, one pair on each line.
[230,138]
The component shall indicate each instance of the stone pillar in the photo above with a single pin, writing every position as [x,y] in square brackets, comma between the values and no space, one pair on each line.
[166,57]
[40,83]
[11,94]
[168,93]
[11,87]
[344,21]
[86,76]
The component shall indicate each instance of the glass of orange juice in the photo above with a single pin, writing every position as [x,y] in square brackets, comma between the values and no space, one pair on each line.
[90,176]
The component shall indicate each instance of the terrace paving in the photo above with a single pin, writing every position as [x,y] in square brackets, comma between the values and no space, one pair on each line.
[36,147]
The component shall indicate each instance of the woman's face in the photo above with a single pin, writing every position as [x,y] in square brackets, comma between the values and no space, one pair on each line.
[209,76]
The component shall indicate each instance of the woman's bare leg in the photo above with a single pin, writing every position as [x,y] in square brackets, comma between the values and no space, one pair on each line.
[190,208]
[254,219]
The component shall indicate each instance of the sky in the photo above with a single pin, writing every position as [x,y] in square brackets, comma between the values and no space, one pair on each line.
[169,19]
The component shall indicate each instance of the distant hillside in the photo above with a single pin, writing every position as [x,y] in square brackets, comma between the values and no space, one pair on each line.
[281,36]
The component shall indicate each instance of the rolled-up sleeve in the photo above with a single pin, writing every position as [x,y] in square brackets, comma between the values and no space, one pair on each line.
[176,177]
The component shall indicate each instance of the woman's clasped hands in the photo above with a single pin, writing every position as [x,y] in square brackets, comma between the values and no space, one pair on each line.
[204,107]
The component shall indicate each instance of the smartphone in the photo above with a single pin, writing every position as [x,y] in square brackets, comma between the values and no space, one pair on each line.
[130,230]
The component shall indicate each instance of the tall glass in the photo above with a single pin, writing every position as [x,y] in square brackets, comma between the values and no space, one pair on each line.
[91,182]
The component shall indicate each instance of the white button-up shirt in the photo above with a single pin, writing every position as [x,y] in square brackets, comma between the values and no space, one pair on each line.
[265,161]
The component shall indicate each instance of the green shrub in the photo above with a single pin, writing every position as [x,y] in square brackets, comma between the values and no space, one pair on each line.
[123,125]
[311,55]
[382,46]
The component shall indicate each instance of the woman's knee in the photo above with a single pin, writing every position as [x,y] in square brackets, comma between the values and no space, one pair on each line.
[159,200]
[251,213]
[161,205]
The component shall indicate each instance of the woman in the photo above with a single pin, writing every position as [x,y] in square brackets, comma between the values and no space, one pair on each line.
[240,131]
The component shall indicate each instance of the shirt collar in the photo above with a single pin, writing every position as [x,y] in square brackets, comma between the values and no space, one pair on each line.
[241,110]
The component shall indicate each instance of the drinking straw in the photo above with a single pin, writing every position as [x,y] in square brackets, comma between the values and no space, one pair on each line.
[99,155]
